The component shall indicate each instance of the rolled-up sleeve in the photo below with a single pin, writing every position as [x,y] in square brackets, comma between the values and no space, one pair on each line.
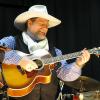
[10,57]
[8,42]
[67,72]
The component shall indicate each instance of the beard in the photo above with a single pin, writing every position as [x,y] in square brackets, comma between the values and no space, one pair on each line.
[36,36]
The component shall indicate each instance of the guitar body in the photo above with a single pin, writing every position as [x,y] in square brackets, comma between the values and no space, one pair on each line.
[22,84]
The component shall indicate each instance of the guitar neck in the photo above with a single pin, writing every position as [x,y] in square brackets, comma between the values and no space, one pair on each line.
[65,57]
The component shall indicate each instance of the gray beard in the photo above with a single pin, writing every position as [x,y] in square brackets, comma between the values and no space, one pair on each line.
[34,37]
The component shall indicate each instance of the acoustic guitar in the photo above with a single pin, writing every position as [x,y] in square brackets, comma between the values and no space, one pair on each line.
[21,82]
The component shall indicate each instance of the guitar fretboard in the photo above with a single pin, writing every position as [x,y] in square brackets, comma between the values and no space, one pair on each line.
[65,57]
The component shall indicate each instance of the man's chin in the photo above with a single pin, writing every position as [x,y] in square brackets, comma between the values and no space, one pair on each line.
[40,38]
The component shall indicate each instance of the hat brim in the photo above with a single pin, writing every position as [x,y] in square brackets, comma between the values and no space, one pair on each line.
[21,19]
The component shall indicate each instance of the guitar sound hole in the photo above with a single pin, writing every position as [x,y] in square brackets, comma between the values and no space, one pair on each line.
[39,63]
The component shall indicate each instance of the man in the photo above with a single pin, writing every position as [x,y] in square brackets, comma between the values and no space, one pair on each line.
[34,25]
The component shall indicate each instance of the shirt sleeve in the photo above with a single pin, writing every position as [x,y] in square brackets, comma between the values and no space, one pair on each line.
[12,57]
[67,72]
[8,42]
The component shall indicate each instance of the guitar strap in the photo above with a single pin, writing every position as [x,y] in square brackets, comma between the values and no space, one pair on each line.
[61,83]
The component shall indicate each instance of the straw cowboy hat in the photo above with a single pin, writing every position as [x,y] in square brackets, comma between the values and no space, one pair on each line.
[35,11]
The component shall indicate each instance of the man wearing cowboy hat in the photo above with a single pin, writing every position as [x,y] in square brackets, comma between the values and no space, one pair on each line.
[34,25]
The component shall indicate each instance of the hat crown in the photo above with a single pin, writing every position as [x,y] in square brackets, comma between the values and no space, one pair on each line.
[39,9]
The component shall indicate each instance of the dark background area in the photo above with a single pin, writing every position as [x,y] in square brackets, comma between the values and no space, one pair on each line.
[80,27]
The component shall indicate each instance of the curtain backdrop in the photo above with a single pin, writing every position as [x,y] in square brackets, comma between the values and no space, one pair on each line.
[80,27]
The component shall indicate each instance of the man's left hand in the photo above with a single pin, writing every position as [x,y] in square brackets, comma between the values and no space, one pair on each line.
[83,58]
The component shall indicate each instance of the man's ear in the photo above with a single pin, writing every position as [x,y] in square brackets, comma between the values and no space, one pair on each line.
[29,23]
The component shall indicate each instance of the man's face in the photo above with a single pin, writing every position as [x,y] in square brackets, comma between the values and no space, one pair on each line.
[38,28]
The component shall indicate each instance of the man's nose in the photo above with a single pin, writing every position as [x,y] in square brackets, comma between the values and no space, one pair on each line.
[44,29]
